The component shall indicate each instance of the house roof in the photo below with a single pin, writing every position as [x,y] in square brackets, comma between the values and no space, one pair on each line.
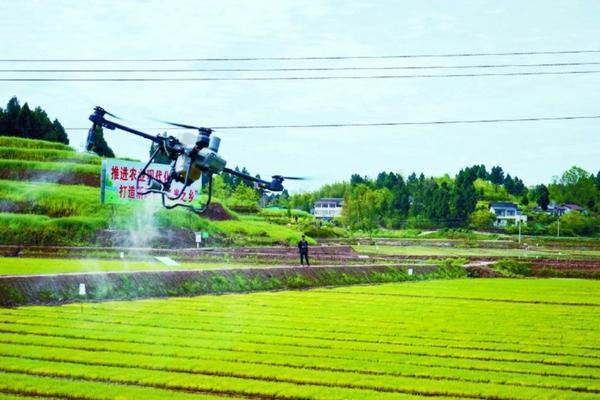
[573,207]
[503,204]
[330,200]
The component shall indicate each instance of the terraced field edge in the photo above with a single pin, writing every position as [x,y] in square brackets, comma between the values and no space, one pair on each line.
[57,289]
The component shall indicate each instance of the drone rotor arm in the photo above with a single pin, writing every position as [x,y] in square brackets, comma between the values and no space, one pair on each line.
[247,177]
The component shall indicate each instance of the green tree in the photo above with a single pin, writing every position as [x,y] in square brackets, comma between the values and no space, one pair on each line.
[23,122]
[576,185]
[543,196]
[244,196]
[220,190]
[356,179]
[58,133]
[509,184]
[363,206]
[497,175]
[464,196]
[482,218]
[519,187]
[100,146]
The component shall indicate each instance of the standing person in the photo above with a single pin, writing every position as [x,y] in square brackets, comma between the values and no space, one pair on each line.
[303,249]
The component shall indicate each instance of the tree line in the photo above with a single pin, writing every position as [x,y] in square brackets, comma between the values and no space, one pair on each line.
[390,200]
[22,121]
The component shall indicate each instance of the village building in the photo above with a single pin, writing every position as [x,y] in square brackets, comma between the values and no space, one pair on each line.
[506,213]
[559,210]
[328,208]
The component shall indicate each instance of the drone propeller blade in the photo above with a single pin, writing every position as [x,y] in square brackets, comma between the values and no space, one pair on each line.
[293,178]
[202,130]
[109,113]
[113,115]
[180,125]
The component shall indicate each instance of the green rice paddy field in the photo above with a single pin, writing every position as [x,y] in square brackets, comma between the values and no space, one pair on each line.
[490,339]
[35,266]
[477,252]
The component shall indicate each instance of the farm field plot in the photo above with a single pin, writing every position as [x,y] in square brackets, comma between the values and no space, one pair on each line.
[34,266]
[469,339]
[476,252]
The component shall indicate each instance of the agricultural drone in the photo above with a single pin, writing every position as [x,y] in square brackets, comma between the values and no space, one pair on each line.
[189,163]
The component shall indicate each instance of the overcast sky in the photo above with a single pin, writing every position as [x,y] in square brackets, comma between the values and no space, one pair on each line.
[534,151]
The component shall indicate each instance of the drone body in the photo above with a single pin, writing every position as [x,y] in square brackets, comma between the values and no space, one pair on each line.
[189,163]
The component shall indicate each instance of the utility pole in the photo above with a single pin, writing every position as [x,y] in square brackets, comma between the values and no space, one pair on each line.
[558,228]
[520,231]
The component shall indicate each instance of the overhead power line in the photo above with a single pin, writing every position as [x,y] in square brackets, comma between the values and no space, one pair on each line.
[380,124]
[413,67]
[297,78]
[512,53]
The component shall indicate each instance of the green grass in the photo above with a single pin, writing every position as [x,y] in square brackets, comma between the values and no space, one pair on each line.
[446,233]
[283,212]
[500,339]
[252,230]
[35,266]
[70,201]
[32,154]
[23,229]
[11,141]
[474,252]
[64,167]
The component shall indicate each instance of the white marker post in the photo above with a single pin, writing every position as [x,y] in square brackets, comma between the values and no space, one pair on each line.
[81,293]
[198,239]
[410,271]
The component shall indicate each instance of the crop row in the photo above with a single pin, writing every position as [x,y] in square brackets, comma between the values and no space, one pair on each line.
[371,327]
[208,329]
[13,141]
[362,297]
[205,384]
[164,319]
[17,153]
[219,364]
[23,386]
[266,351]
[271,386]
[365,310]
[545,290]
[360,342]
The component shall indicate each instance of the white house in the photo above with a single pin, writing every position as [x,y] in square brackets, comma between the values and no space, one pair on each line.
[506,212]
[328,208]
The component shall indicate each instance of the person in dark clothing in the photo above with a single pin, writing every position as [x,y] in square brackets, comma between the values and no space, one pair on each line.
[303,249]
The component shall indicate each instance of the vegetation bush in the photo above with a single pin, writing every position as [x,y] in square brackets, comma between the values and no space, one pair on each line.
[512,268]
[459,233]
[567,273]
[320,229]
[396,233]
[577,224]
[482,219]
[449,268]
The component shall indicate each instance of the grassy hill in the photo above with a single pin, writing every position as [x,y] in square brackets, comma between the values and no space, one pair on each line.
[49,195]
